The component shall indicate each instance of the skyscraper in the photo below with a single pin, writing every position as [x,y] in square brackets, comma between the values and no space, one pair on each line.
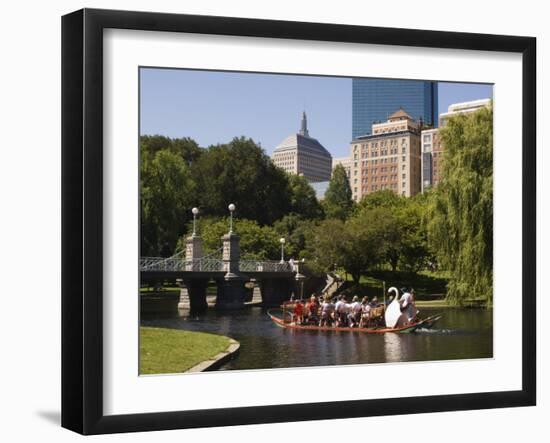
[303,155]
[374,100]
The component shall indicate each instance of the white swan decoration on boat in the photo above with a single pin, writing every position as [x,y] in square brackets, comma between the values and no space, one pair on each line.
[393,311]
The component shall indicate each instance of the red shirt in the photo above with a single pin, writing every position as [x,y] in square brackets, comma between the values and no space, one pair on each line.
[298,308]
[313,307]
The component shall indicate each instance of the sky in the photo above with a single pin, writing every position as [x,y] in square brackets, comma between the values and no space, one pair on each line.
[213,107]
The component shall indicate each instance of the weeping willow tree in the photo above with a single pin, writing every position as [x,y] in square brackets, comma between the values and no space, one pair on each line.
[461,217]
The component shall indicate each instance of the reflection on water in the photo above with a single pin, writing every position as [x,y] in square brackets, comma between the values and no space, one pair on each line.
[461,333]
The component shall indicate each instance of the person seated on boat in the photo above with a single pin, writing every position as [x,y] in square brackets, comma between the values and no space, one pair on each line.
[312,308]
[374,302]
[414,311]
[354,315]
[340,311]
[408,307]
[299,312]
[347,310]
[365,312]
[327,309]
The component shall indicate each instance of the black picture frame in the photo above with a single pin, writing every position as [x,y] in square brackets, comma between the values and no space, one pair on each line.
[82,218]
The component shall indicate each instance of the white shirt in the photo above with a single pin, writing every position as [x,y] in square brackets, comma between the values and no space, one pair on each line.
[339,307]
[407,302]
[292,265]
[356,307]
[406,299]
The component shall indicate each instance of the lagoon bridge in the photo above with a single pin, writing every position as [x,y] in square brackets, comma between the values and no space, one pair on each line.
[234,278]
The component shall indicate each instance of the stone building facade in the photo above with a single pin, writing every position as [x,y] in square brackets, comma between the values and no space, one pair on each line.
[390,158]
[301,154]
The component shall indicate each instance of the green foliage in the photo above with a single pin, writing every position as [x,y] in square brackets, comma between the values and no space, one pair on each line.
[166,189]
[382,199]
[176,174]
[414,253]
[354,245]
[295,229]
[338,201]
[187,148]
[303,200]
[401,227]
[461,216]
[256,242]
[241,173]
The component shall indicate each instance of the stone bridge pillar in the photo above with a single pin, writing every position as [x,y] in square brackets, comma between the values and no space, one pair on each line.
[193,295]
[231,290]
[193,252]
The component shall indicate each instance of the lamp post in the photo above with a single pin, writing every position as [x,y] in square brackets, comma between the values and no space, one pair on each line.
[300,278]
[231,208]
[282,241]
[195,212]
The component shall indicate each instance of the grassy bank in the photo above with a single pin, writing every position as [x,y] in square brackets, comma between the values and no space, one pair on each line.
[166,351]
[432,304]
[428,286]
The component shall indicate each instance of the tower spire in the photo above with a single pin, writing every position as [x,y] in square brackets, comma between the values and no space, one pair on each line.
[303,129]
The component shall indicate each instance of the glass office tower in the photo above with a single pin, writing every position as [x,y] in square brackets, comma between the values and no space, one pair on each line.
[376,99]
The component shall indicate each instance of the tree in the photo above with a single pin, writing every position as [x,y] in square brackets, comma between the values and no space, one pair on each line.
[296,230]
[241,173]
[413,250]
[461,222]
[391,226]
[166,188]
[187,148]
[255,242]
[303,200]
[398,220]
[338,201]
[382,199]
[356,245]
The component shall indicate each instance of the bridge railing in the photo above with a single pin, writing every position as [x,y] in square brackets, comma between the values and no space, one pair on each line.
[160,264]
[264,266]
[179,264]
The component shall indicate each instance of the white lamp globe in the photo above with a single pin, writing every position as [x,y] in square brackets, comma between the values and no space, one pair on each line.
[231,207]
[282,240]
[195,211]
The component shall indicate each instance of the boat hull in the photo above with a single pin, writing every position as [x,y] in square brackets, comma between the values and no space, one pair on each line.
[422,324]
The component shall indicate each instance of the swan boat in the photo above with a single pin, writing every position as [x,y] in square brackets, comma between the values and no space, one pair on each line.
[393,319]
[426,323]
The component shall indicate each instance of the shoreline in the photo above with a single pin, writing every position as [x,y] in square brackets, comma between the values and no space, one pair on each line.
[175,351]
[218,360]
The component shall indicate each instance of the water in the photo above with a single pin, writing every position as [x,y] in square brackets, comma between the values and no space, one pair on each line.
[460,334]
